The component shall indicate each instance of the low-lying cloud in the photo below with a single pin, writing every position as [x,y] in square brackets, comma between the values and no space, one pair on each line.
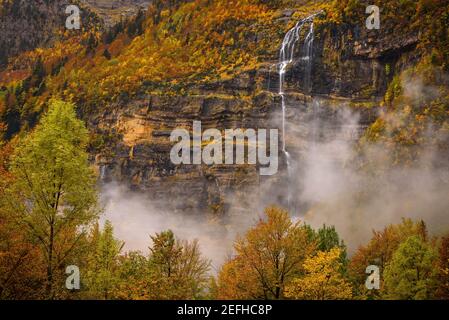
[325,179]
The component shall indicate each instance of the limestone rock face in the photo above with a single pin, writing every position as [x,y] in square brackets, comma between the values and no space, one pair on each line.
[141,156]
[355,62]
[350,71]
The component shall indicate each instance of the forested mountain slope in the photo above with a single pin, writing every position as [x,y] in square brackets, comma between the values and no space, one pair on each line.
[216,61]
[26,25]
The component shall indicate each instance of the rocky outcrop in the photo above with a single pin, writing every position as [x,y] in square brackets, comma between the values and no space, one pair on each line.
[112,11]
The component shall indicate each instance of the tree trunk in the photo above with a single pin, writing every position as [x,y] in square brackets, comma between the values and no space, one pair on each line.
[50,264]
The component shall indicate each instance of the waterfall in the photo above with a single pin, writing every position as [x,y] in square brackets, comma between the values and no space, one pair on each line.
[102,172]
[286,57]
[308,58]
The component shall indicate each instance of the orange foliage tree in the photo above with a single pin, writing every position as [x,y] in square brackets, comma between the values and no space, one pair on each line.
[267,258]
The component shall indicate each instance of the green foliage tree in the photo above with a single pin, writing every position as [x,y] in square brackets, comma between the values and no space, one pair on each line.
[53,194]
[132,277]
[107,54]
[410,275]
[103,265]
[327,238]
[443,270]
[165,252]
[379,251]
[176,268]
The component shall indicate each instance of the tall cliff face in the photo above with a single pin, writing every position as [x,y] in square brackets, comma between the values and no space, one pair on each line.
[353,78]
[219,64]
[363,62]
[140,153]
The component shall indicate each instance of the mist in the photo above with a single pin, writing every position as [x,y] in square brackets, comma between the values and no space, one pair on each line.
[359,200]
[359,188]
[326,182]
[135,218]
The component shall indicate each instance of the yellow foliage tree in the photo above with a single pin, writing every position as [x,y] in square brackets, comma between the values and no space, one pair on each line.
[237,281]
[267,258]
[323,279]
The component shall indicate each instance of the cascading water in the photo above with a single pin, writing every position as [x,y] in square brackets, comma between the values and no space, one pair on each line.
[102,172]
[286,57]
[308,57]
